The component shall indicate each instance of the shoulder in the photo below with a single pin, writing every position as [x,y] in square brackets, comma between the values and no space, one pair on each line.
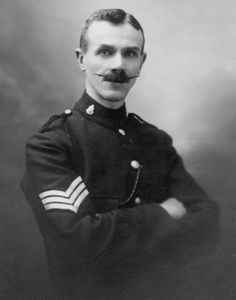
[54,130]
[57,121]
[148,127]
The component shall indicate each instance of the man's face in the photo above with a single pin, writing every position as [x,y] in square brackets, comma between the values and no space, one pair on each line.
[111,47]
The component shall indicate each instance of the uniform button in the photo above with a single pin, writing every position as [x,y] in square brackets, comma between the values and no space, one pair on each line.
[121,131]
[135,164]
[67,111]
[137,201]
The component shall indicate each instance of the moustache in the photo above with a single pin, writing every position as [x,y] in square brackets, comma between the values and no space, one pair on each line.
[118,76]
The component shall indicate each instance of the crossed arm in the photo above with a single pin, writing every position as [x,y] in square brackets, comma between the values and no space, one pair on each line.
[184,224]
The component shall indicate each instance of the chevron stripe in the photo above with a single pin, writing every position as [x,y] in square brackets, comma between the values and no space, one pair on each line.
[66,206]
[69,200]
[61,193]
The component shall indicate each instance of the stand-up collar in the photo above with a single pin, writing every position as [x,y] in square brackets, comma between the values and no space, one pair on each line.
[112,118]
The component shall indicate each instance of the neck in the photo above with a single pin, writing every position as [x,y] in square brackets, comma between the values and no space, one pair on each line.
[112,104]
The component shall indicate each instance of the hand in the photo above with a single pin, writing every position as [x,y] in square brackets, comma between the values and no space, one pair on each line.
[174,207]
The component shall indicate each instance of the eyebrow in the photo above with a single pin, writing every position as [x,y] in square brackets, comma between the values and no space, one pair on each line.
[106,46]
[133,48]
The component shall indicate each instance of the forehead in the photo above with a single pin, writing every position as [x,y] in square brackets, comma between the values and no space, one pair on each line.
[122,35]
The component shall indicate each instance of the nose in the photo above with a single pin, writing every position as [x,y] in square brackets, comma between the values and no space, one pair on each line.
[118,61]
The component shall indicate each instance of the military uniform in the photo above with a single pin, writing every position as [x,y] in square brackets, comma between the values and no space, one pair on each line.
[94,179]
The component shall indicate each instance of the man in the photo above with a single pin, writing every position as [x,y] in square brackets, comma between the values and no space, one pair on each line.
[110,193]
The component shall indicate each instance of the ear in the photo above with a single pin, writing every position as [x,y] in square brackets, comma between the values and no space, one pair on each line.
[144,56]
[80,57]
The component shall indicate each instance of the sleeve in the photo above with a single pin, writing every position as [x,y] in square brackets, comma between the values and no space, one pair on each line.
[197,233]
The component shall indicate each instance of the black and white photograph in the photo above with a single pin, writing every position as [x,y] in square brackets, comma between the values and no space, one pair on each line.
[118,150]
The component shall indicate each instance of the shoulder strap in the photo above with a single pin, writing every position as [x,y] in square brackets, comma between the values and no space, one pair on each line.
[53,118]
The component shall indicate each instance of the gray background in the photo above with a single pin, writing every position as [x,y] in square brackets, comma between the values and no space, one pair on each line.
[187,88]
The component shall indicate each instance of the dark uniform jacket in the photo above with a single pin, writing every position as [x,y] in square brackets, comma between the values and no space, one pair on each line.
[94,179]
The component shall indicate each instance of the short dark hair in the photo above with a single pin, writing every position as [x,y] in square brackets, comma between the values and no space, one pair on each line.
[114,16]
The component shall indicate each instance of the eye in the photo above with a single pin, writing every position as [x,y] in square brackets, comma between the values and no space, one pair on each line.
[130,53]
[105,52]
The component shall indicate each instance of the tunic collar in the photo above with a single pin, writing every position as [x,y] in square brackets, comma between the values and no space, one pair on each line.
[91,109]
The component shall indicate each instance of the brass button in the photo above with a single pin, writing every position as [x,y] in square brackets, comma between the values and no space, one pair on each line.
[135,164]
[121,131]
[68,111]
[137,201]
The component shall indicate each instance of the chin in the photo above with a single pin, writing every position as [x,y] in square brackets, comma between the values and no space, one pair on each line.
[114,96]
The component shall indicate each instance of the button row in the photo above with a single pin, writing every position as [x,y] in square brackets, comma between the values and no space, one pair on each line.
[135,164]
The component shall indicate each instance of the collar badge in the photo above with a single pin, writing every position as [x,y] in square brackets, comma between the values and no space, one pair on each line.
[90,110]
